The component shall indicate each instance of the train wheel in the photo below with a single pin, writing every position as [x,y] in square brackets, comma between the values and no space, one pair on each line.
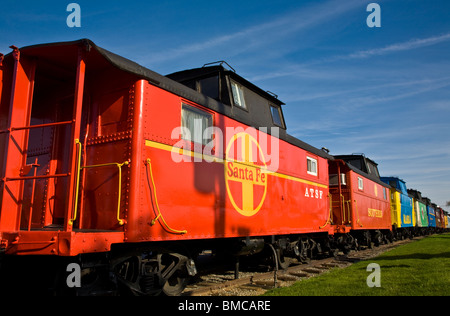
[177,270]
[175,284]
[147,274]
[377,238]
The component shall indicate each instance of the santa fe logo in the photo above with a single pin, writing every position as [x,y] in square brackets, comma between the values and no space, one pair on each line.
[245,174]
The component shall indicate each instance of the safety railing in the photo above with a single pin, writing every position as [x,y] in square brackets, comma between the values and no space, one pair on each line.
[77,184]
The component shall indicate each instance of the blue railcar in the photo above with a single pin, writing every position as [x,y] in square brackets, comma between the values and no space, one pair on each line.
[431,211]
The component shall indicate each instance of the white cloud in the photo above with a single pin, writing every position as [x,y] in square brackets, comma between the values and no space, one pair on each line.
[403,46]
[264,33]
[307,70]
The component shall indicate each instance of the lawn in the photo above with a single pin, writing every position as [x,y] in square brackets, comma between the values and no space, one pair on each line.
[418,268]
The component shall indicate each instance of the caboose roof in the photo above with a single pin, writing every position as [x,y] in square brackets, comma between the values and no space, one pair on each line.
[416,194]
[396,183]
[206,71]
[362,167]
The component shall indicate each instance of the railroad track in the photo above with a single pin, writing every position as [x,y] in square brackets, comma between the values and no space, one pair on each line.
[223,283]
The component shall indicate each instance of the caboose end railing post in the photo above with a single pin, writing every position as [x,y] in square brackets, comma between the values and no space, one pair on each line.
[75,135]
[15,154]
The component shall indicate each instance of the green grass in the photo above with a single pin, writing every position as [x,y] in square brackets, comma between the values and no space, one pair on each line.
[418,268]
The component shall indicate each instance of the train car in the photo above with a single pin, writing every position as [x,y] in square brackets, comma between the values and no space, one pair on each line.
[360,200]
[447,220]
[438,214]
[431,214]
[440,219]
[130,174]
[305,189]
[419,211]
[444,220]
[401,207]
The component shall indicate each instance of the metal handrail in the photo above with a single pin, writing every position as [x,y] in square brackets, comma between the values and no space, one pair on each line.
[12,129]
[220,62]
[119,165]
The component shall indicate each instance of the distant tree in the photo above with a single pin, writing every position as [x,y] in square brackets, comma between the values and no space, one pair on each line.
[448,203]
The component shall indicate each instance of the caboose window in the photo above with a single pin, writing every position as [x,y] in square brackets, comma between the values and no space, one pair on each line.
[372,169]
[360,183]
[238,94]
[276,116]
[210,87]
[311,164]
[194,122]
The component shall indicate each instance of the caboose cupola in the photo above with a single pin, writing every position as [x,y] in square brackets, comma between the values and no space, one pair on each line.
[245,101]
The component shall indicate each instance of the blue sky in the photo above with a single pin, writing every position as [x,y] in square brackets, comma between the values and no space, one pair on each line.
[384,92]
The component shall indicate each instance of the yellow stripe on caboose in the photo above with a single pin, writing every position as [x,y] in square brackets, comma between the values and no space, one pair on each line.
[210,158]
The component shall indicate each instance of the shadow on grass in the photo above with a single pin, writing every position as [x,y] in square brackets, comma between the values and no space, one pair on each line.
[396,266]
[423,256]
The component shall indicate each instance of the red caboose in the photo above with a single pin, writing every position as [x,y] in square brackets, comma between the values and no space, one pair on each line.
[360,200]
[122,170]
[440,218]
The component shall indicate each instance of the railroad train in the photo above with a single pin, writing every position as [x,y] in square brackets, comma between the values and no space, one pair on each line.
[129,175]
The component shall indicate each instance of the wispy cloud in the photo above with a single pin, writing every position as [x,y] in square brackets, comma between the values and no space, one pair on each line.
[264,33]
[308,69]
[413,87]
[403,46]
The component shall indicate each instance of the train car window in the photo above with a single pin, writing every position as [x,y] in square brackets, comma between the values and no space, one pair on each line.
[375,171]
[238,94]
[311,166]
[210,87]
[355,162]
[333,179]
[190,83]
[276,116]
[372,169]
[194,122]
[360,183]
[402,187]
[384,192]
